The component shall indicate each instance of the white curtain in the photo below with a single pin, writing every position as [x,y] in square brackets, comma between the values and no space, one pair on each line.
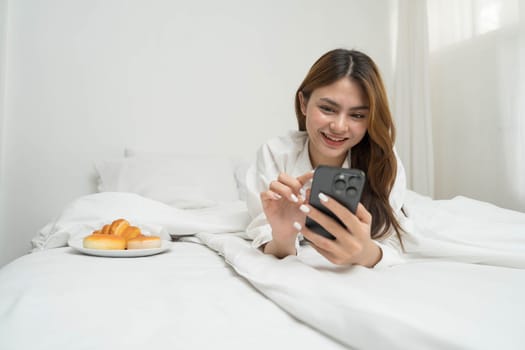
[521,110]
[459,98]
[3,66]
[4,246]
[3,70]
[411,98]
[478,91]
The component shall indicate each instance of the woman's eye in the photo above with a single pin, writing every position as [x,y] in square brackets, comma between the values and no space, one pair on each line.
[326,109]
[357,116]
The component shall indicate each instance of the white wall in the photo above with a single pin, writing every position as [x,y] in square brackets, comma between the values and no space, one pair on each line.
[88,78]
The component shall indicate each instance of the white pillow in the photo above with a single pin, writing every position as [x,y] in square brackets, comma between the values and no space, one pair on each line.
[240,165]
[182,181]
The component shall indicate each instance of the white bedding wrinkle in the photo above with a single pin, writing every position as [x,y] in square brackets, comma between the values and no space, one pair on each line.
[460,286]
[423,304]
[87,213]
[466,230]
[445,296]
[187,298]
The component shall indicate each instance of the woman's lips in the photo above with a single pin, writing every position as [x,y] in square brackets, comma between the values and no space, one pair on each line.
[333,140]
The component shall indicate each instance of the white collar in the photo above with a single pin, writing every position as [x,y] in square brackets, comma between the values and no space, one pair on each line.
[304,164]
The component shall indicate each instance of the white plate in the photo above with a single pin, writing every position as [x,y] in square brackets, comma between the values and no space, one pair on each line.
[76,243]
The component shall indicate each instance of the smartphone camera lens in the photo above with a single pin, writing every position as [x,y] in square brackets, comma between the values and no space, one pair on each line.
[354,181]
[339,185]
[351,191]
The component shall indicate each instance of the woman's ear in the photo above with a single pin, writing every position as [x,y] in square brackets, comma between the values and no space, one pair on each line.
[302,103]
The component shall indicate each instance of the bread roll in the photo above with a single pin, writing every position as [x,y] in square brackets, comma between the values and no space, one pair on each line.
[102,241]
[144,242]
[118,226]
[105,229]
[131,232]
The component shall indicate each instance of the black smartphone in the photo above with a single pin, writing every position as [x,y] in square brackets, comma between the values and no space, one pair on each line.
[342,184]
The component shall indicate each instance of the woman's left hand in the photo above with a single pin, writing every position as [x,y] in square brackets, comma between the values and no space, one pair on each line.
[353,243]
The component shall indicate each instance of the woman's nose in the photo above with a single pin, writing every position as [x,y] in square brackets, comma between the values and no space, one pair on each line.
[339,123]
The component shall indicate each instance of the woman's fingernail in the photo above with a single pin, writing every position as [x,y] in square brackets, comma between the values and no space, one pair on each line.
[323,197]
[304,209]
[294,198]
[277,196]
[302,191]
[297,226]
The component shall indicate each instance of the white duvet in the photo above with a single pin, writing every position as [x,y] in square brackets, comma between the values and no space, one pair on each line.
[462,285]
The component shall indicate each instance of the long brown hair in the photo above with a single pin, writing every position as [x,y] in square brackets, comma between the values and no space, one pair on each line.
[374,154]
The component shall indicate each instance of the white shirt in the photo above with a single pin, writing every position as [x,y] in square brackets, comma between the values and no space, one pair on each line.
[289,154]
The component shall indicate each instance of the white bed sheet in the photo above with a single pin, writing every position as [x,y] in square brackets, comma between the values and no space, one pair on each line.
[461,287]
[186,298]
[423,304]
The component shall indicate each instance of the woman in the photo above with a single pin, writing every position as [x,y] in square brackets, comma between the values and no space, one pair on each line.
[343,120]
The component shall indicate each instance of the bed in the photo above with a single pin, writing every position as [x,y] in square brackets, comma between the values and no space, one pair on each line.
[461,285]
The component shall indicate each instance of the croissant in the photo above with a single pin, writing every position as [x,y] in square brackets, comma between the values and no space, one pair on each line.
[120,235]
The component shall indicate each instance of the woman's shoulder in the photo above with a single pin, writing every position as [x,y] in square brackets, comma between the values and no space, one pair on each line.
[293,142]
[282,153]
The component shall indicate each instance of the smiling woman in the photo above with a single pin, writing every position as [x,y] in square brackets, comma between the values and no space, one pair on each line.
[343,121]
[330,114]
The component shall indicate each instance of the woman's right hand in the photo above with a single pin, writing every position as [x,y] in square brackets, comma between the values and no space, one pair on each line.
[281,204]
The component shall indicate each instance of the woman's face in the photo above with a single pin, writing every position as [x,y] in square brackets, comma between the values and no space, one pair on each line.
[337,118]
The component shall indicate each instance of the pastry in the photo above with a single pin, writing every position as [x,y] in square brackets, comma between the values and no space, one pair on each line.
[131,232]
[144,242]
[101,241]
[120,235]
[118,226]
